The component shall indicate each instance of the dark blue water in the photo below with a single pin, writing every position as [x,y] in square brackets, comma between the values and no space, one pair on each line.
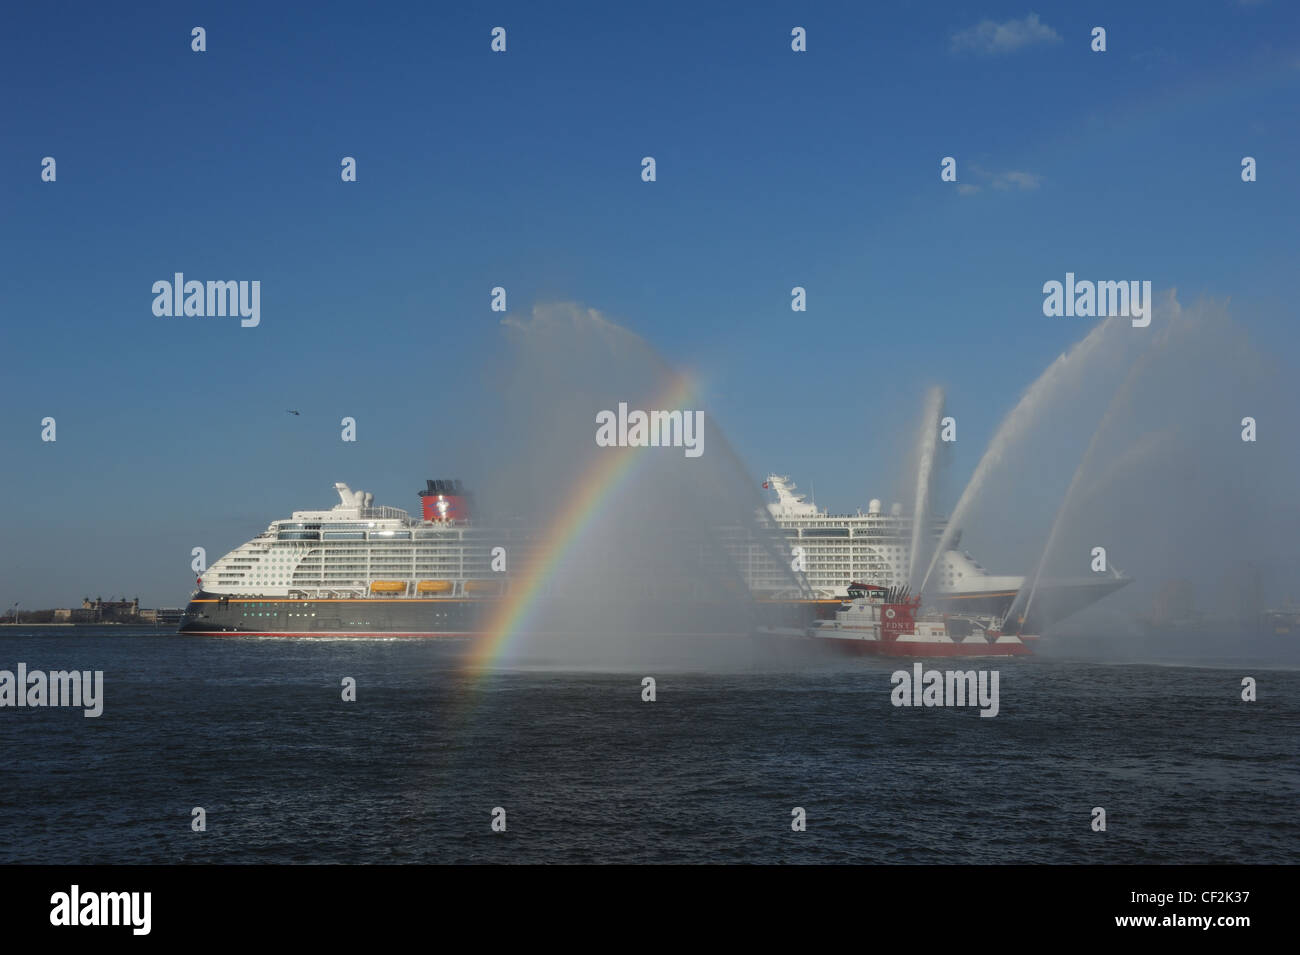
[255,732]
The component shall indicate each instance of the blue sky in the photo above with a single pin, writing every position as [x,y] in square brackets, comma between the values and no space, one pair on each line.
[476,169]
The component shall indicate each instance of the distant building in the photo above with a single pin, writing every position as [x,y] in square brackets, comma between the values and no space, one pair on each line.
[108,611]
[111,610]
[74,615]
[1280,621]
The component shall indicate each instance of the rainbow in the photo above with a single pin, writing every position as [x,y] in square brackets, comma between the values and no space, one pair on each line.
[591,494]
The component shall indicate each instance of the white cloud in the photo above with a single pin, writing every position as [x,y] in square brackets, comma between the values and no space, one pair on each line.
[1016,180]
[989,37]
[1009,181]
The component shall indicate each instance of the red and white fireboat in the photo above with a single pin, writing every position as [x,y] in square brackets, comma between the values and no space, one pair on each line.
[889,622]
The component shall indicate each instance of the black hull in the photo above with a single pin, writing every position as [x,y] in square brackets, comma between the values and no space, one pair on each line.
[212,614]
[215,615]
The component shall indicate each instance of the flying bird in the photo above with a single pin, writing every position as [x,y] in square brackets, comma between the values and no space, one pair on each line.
[295,412]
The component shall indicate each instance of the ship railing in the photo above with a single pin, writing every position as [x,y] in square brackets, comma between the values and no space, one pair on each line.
[382,513]
[325,593]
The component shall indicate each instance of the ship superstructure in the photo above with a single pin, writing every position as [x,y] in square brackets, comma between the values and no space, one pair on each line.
[355,549]
[358,569]
[874,547]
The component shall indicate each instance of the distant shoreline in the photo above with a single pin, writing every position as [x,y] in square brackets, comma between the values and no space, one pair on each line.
[94,623]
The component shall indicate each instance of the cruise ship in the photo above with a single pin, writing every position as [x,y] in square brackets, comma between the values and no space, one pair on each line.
[838,549]
[358,569]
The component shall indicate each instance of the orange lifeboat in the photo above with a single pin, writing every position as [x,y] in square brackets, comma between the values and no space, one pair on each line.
[434,587]
[388,587]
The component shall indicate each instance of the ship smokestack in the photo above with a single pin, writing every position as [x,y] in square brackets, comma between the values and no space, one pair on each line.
[445,501]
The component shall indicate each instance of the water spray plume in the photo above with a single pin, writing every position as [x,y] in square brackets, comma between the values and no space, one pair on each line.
[927,450]
[1020,418]
[1119,401]
[637,547]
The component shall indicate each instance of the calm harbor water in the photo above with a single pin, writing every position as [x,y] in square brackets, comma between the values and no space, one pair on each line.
[255,731]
